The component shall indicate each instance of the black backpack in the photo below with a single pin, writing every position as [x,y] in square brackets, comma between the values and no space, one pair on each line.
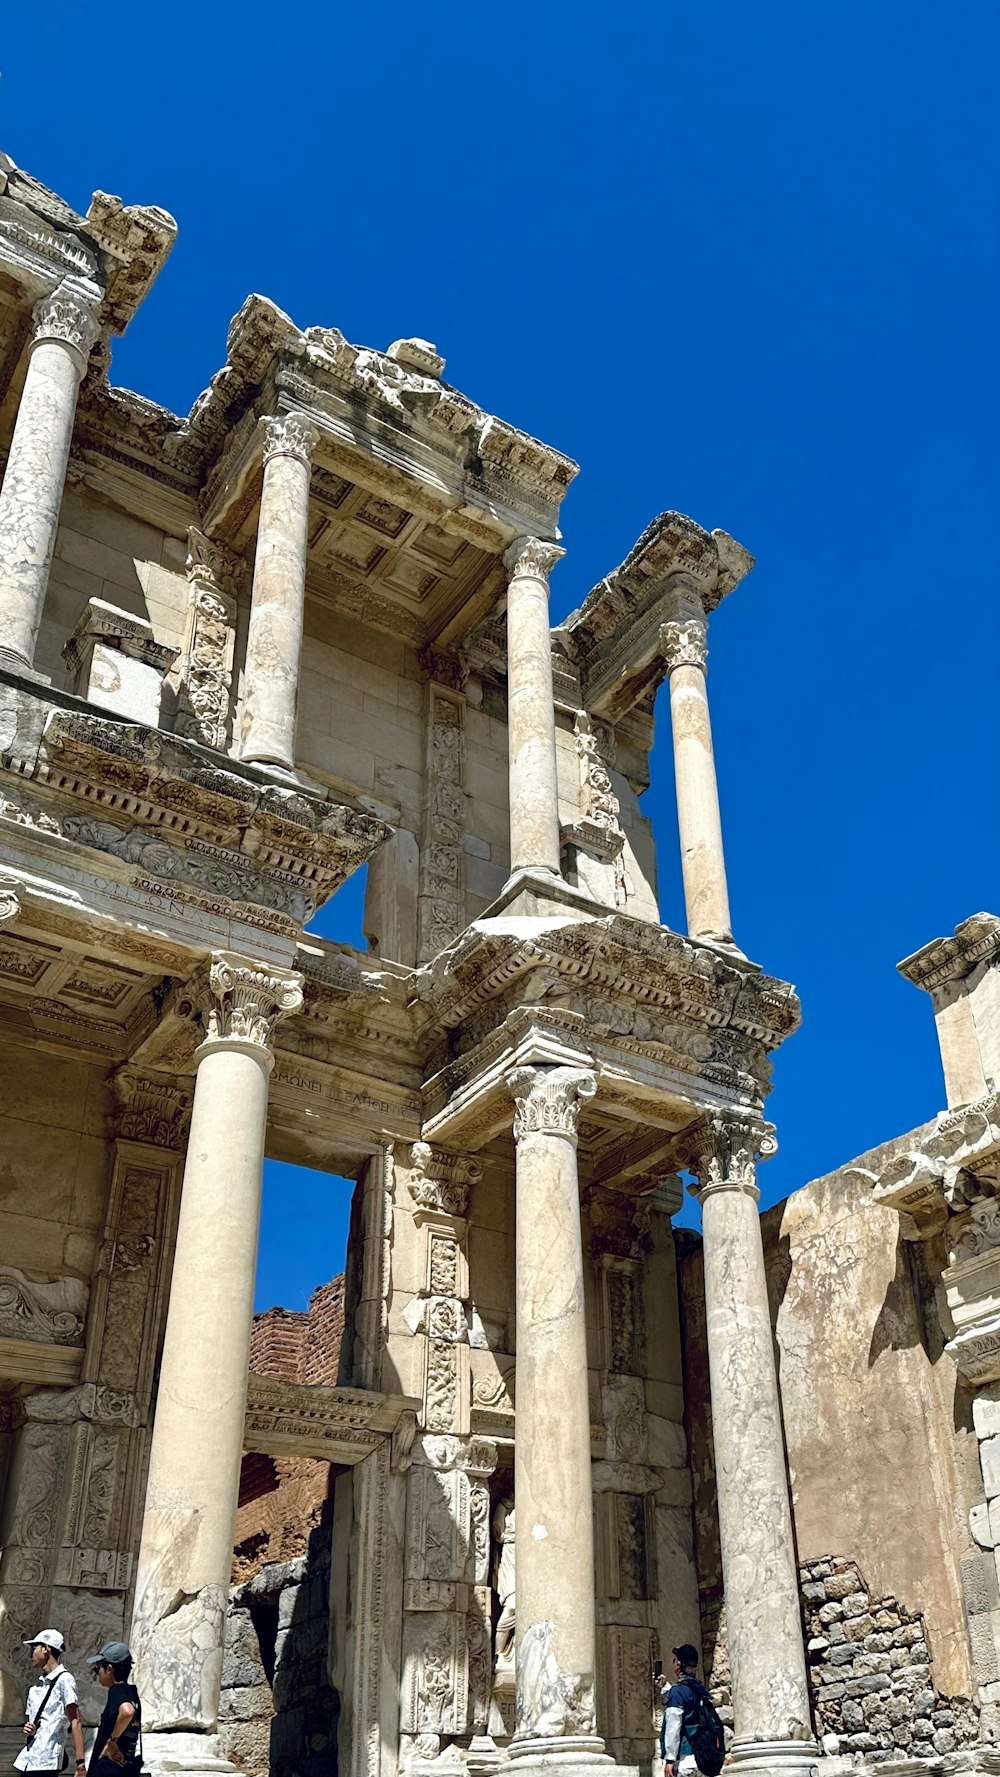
[705,1733]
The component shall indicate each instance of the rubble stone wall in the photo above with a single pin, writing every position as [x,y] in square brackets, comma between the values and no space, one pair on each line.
[881,1449]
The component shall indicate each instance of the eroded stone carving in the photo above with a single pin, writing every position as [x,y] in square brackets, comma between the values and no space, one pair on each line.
[52,1310]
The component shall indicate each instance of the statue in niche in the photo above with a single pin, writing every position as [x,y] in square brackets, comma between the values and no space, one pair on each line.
[503,1580]
[501,1720]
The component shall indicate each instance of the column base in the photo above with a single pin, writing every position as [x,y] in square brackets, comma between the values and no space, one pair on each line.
[773,1758]
[564,1753]
[185,1752]
[12,662]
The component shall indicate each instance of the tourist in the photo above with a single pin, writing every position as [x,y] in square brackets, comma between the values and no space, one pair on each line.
[120,1730]
[52,1703]
[691,1736]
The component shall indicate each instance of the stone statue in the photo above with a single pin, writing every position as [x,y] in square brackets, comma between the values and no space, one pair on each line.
[503,1580]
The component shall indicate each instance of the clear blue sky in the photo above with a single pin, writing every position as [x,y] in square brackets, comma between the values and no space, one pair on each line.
[738,260]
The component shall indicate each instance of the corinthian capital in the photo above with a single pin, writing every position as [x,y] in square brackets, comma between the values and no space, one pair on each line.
[69,316]
[548,1100]
[293,436]
[530,558]
[242,1002]
[724,1150]
[684,644]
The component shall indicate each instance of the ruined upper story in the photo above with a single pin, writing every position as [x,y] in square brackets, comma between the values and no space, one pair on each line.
[414,495]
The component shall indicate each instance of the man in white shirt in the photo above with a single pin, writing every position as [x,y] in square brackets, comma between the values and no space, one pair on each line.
[54,1695]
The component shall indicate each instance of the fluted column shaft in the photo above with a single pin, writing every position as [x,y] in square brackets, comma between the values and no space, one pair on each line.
[706,896]
[277,603]
[531,719]
[198,1430]
[65,330]
[555,1655]
[763,1618]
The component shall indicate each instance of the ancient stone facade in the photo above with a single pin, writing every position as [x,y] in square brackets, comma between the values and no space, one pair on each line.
[242,653]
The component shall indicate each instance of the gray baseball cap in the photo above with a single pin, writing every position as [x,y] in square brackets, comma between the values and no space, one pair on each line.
[111,1654]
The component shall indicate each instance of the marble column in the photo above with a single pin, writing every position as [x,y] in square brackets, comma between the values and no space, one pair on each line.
[531,718]
[763,1614]
[555,1652]
[684,644]
[277,601]
[185,1553]
[65,330]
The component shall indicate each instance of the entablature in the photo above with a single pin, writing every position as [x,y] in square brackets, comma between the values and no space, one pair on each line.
[341,1425]
[675,569]
[165,816]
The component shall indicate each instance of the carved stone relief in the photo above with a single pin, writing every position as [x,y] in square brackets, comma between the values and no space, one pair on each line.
[441,897]
[51,1310]
[206,668]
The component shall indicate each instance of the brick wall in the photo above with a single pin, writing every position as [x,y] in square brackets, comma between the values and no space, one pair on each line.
[284,1499]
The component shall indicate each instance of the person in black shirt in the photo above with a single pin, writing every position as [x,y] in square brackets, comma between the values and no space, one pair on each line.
[119,1733]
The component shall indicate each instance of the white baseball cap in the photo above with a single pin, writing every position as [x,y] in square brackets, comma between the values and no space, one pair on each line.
[49,1638]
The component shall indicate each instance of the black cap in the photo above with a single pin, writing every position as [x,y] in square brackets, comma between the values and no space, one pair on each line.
[686,1654]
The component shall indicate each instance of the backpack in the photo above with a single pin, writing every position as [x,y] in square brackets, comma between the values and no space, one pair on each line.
[705,1734]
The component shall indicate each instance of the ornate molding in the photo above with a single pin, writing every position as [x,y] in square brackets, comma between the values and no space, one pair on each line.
[440,1181]
[292,436]
[10,905]
[548,1101]
[69,317]
[151,1111]
[684,644]
[723,1151]
[241,1002]
[529,557]
[133,636]
[50,1310]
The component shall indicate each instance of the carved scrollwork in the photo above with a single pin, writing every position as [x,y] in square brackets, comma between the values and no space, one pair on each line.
[724,1150]
[242,1002]
[548,1100]
[10,905]
[440,1181]
[51,1310]
[684,644]
[529,557]
[294,436]
[69,316]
